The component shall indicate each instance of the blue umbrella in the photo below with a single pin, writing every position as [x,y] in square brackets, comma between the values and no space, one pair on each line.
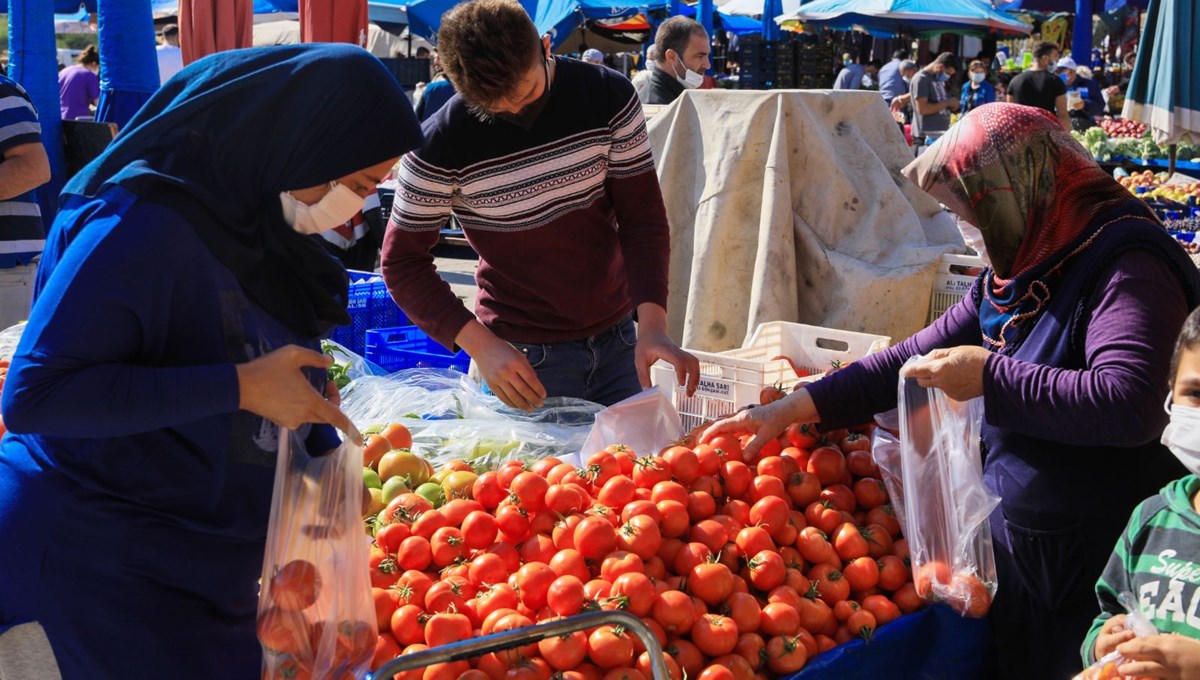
[889,18]
[1164,92]
[770,10]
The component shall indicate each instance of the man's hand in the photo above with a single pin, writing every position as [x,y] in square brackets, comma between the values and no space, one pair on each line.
[1170,656]
[654,344]
[957,371]
[505,370]
[1112,633]
[274,386]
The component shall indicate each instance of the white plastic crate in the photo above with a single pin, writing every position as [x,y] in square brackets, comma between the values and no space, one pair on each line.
[955,276]
[732,379]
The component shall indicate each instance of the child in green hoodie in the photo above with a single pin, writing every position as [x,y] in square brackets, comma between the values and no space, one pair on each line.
[1157,558]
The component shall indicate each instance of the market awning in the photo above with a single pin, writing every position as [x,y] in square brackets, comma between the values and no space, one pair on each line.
[889,18]
[1164,92]
[343,21]
[556,17]
[741,25]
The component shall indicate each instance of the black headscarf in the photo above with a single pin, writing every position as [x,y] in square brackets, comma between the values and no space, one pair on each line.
[234,130]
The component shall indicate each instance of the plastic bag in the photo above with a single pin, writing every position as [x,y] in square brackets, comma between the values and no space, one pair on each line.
[885,451]
[645,422]
[450,417]
[316,617]
[1106,668]
[347,366]
[946,505]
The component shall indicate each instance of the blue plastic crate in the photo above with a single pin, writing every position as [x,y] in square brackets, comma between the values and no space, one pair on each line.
[370,306]
[395,349]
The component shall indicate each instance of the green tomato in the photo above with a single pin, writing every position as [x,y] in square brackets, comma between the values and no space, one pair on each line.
[432,493]
[392,488]
[458,483]
[371,479]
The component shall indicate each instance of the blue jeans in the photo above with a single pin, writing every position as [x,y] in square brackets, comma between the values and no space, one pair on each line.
[599,369]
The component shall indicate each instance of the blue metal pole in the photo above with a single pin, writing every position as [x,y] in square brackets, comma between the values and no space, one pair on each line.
[704,14]
[675,5]
[1081,39]
[34,64]
[128,60]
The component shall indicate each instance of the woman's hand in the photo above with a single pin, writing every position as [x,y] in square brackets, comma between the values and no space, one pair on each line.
[1112,633]
[1175,657]
[766,422]
[505,370]
[957,371]
[653,344]
[274,386]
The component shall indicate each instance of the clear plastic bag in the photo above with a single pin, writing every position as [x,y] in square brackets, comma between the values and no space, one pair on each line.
[885,451]
[450,417]
[1106,668]
[347,366]
[315,613]
[645,422]
[946,504]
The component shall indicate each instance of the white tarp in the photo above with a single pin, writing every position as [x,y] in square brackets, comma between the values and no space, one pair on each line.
[790,206]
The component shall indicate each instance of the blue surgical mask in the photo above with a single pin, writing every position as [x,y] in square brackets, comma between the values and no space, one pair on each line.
[847,62]
[942,77]
[1064,76]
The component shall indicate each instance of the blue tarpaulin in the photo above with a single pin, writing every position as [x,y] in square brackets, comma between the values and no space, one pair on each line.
[740,25]
[128,61]
[556,17]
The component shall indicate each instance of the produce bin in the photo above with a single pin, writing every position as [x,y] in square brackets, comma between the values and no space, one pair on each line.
[370,306]
[395,349]
[733,379]
[955,276]
[931,644]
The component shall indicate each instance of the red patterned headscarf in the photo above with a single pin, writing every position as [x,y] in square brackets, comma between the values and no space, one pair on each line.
[1033,192]
[1013,172]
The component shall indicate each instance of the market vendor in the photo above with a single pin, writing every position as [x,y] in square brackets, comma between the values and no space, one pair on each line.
[1067,338]
[546,164]
[176,320]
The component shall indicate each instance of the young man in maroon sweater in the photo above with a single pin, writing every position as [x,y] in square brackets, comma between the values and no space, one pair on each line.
[547,166]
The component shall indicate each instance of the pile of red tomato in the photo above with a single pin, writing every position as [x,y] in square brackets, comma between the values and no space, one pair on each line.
[742,568]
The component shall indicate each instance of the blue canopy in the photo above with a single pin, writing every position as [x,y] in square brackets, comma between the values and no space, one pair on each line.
[1164,92]
[740,25]
[556,17]
[889,18]
[170,6]
[129,65]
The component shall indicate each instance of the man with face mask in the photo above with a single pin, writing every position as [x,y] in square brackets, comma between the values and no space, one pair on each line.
[931,107]
[1040,87]
[683,49]
[1092,101]
[546,164]
[641,80]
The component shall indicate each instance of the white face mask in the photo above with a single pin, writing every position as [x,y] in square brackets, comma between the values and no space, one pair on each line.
[691,80]
[1182,435]
[334,209]
[974,238]
[978,77]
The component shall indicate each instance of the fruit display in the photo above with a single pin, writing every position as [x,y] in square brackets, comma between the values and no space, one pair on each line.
[1121,127]
[1155,186]
[738,566]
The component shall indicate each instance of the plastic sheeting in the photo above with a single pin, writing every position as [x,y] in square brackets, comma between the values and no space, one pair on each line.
[790,206]
[128,61]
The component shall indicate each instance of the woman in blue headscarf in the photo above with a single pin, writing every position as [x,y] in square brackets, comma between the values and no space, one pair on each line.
[176,318]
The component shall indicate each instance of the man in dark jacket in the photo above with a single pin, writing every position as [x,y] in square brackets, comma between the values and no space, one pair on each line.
[683,48]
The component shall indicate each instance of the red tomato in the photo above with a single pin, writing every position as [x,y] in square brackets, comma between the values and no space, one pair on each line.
[840,497]
[767,570]
[861,464]
[711,582]
[770,512]
[564,652]
[595,537]
[885,516]
[929,575]
[737,478]
[674,612]
[533,582]
[745,611]
[885,610]
[284,631]
[570,562]
[753,539]
[295,585]
[907,599]
[565,595]
[414,552]
[816,616]
[442,629]
[389,536]
[640,535]
[675,520]
[829,583]
[620,562]
[447,546]
[637,591]
[828,464]
[780,619]
[892,572]
[803,488]
[683,463]
[609,647]
[513,521]
[715,635]
[855,442]
[802,436]
[649,471]
[487,490]
[849,542]
[862,573]
[862,624]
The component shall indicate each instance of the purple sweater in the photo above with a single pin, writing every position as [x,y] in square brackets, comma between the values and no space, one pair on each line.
[1056,433]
